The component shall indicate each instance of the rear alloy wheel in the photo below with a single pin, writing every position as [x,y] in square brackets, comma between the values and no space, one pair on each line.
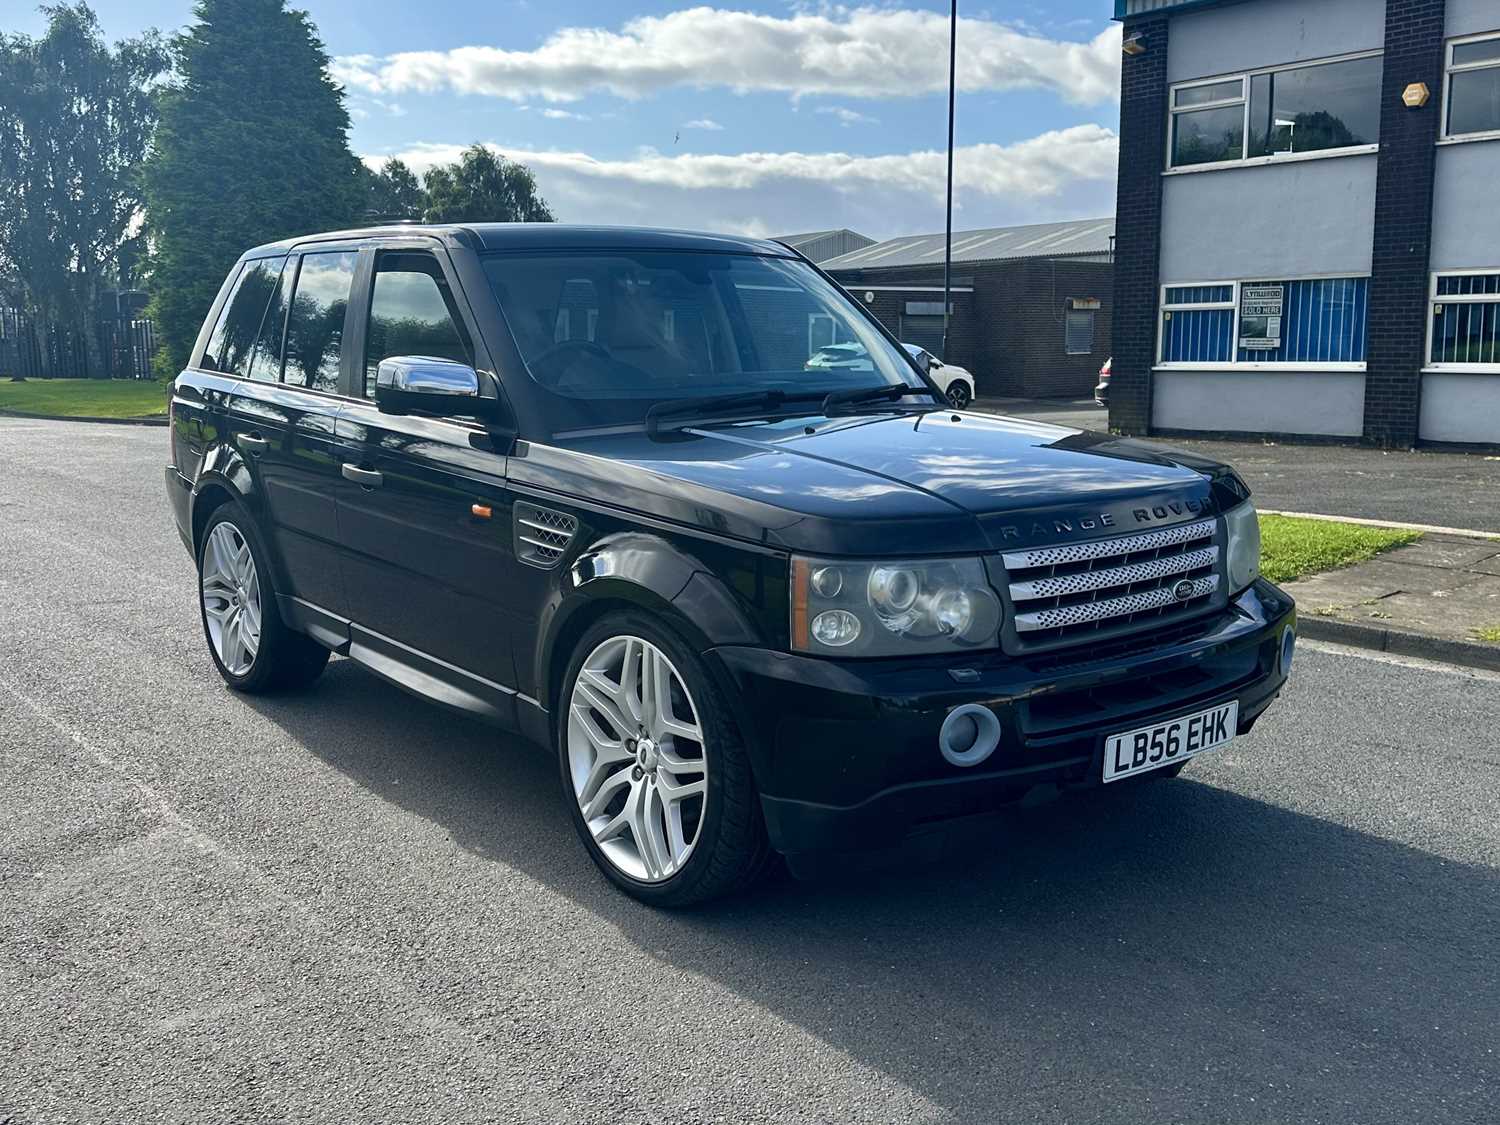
[959,395]
[251,646]
[231,598]
[659,783]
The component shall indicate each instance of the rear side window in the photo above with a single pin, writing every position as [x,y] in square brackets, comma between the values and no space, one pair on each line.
[412,312]
[234,336]
[315,327]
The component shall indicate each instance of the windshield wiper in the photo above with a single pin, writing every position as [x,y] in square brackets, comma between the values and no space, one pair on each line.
[718,404]
[856,395]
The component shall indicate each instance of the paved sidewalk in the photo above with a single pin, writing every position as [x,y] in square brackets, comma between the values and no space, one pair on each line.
[1431,598]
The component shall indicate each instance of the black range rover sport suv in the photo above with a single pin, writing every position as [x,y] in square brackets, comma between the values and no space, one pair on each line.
[585,484]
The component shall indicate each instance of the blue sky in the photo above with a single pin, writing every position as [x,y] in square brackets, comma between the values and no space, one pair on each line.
[768,117]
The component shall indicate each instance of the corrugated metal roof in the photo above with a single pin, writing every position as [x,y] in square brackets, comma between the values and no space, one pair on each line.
[1040,240]
[820,245]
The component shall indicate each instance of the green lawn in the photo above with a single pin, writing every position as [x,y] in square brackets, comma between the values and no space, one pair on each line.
[1292,547]
[91,398]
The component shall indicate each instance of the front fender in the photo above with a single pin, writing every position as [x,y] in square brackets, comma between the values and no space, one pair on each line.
[649,573]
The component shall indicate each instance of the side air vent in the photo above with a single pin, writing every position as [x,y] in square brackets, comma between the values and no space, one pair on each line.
[542,535]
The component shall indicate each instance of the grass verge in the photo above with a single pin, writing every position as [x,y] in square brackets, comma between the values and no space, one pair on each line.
[1291,547]
[85,398]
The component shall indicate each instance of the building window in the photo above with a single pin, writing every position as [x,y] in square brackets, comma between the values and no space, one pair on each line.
[1473,87]
[1078,331]
[1284,112]
[1466,321]
[1304,322]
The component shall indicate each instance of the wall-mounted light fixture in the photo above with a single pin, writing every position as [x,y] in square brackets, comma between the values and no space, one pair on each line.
[1416,95]
[1134,44]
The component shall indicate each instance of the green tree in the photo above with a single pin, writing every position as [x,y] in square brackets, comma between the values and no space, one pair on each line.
[484,188]
[75,121]
[393,193]
[252,147]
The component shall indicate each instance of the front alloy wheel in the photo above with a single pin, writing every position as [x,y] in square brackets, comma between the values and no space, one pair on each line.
[636,758]
[958,394]
[654,768]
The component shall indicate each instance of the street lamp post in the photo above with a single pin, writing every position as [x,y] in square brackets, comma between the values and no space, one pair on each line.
[948,228]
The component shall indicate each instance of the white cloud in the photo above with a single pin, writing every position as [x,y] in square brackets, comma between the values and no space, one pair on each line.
[1061,174]
[564,115]
[861,52]
[848,116]
[703,123]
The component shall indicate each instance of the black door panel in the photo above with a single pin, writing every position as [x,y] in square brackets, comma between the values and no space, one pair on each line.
[421,567]
[287,437]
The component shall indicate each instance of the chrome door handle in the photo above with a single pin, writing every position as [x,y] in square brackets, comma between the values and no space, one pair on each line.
[365,478]
[254,443]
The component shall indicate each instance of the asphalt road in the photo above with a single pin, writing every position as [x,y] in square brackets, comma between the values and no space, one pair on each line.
[1445,489]
[349,905]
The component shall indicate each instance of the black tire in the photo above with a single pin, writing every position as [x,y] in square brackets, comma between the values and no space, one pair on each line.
[285,660]
[732,850]
[958,394]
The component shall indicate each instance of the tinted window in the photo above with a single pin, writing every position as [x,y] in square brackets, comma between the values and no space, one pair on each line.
[412,312]
[315,328]
[265,363]
[234,337]
[1474,101]
[1315,107]
[615,331]
[1203,136]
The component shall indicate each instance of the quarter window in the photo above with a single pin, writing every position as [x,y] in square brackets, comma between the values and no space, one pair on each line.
[1277,113]
[239,325]
[265,363]
[1466,319]
[1473,106]
[412,312]
[315,326]
[1307,321]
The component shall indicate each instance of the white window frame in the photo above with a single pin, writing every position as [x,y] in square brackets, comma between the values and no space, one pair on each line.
[1463,299]
[1234,363]
[1245,76]
[1449,70]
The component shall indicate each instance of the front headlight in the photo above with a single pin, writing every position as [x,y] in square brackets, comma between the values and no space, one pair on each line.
[1243,552]
[892,608]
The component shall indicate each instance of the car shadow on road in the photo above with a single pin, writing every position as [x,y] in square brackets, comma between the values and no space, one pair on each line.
[1176,947]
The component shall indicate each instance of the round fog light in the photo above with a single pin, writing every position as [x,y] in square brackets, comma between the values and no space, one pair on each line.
[969,735]
[835,628]
[1288,649]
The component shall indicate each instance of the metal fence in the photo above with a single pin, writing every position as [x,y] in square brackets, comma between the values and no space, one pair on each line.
[36,350]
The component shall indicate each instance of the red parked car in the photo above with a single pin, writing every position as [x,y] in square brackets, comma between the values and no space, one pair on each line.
[1101,392]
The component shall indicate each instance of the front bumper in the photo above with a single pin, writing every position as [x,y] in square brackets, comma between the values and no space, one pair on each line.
[846,753]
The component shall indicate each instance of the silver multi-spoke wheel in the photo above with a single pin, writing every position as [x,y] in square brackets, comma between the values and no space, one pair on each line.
[636,758]
[231,598]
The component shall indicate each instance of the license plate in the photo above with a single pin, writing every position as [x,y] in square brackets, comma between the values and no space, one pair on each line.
[1162,744]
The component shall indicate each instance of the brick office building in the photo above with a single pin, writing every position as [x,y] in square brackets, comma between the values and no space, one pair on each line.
[1030,309]
[1308,240]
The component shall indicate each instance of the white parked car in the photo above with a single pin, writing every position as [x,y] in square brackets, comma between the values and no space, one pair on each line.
[953,380]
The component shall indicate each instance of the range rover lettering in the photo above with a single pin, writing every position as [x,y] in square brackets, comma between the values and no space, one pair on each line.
[587,484]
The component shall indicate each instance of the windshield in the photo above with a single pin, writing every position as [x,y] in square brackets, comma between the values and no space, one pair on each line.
[615,332]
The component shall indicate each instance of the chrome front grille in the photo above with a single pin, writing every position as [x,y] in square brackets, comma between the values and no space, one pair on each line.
[1078,592]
